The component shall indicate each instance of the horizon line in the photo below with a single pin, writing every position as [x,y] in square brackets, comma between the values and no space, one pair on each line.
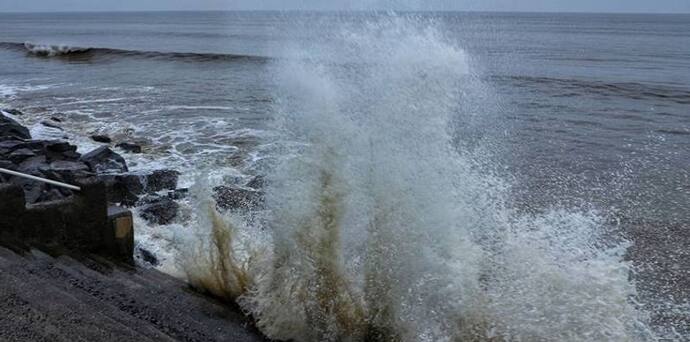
[337,11]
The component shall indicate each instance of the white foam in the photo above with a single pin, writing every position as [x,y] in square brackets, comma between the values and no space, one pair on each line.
[107,100]
[10,91]
[43,132]
[52,50]
[198,107]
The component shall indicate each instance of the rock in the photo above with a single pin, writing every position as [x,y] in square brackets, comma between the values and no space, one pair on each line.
[257,182]
[10,129]
[123,188]
[15,112]
[33,164]
[35,191]
[104,160]
[20,155]
[237,198]
[69,166]
[7,147]
[159,210]
[44,159]
[148,257]
[50,124]
[59,146]
[11,145]
[178,194]
[56,149]
[161,180]
[6,164]
[54,160]
[69,171]
[129,147]
[18,150]
[101,138]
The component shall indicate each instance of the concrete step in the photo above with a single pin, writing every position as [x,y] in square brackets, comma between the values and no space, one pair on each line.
[127,305]
[113,302]
[21,322]
[203,314]
[53,313]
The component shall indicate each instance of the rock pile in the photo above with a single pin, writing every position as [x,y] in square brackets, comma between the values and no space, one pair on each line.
[59,160]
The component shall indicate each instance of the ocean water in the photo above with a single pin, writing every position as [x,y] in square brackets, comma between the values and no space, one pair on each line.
[430,176]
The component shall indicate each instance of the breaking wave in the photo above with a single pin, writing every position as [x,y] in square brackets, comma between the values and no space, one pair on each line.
[378,226]
[66,51]
[53,50]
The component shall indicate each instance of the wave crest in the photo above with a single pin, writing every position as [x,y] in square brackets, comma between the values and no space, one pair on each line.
[54,50]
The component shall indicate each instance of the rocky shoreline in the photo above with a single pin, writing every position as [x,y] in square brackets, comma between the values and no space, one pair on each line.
[103,171]
[59,160]
[154,193]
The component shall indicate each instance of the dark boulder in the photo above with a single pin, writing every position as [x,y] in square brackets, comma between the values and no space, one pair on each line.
[104,160]
[69,166]
[161,180]
[6,164]
[60,150]
[33,165]
[101,138]
[51,149]
[178,194]
[69,171]
[11,129]
[257,182]
[19,155]
[35,192]
[228,197]
[148,257]
[158,210]
[54,160]
[50,124]
[123,188]
[59,146]
[7,147]
[129,147]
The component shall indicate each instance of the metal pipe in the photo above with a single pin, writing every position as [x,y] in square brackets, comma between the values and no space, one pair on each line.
[40,179]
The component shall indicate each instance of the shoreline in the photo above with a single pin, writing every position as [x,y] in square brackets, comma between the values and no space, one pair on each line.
[151,195]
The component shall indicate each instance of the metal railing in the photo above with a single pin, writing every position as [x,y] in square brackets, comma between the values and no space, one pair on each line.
[40,179]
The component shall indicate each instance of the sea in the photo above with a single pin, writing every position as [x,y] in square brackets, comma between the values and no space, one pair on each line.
[429,176]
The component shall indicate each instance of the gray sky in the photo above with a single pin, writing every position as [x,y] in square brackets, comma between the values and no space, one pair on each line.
[644,6]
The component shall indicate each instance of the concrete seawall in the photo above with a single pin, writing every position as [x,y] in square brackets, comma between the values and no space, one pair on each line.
[82,223]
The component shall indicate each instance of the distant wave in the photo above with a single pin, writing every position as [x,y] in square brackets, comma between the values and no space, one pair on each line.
[53,50]
[66,51]
[578,87]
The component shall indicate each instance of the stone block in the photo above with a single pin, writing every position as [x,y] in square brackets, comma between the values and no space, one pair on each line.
[121,240]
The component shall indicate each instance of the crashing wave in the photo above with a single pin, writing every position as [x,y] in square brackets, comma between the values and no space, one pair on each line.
[378,226]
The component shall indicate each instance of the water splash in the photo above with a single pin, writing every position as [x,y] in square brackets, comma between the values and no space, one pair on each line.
[380,227]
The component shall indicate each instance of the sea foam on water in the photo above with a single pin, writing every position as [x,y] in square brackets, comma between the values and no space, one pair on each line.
[378,226]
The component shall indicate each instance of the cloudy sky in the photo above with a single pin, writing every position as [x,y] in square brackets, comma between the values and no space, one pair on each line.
[645,6]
